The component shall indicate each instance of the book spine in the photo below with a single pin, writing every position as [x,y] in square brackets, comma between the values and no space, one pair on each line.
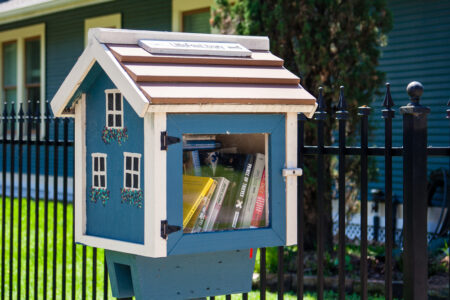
[204,207]
[253,189]
[260,202]
[240,197]
[196,163]
[217,202]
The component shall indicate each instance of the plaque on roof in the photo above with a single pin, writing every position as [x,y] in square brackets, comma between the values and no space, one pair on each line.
[195,48]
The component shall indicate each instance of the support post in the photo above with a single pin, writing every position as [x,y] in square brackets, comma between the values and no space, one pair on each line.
[415,258]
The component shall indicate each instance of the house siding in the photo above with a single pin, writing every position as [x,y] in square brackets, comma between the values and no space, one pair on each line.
[64,37]
[418,49]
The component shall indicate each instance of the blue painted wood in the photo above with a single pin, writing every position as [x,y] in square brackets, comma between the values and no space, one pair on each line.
[417,49]
[64,43]
[181,276]
[274,124]
[115,220]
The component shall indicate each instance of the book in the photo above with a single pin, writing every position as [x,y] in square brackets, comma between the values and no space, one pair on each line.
[196,137]
[260,203]
[200,215]
[231,166]
[240,197]
[253,189]
[191,163]
[216,203]
[194,190]
[200,144]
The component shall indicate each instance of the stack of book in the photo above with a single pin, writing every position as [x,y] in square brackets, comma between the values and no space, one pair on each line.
[222,190]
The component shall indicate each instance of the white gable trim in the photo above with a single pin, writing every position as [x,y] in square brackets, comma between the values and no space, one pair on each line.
[100,53]
[72,82]
[120,78]
[124,36]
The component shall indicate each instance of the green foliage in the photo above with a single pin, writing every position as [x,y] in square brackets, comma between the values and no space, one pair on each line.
[324,42]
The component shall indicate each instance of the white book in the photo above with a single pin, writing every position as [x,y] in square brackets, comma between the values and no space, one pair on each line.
[216,203]
[252,194]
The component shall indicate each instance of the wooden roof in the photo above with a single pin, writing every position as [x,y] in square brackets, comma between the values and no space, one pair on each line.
[190,79]
[253,80]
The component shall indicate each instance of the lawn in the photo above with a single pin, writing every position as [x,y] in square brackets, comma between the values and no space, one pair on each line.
[68,255]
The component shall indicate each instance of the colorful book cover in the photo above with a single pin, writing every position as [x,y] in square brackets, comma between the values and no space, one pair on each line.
[253,189]
[231,166]
[194,190]
[242,191]
[260,203]
[199,218]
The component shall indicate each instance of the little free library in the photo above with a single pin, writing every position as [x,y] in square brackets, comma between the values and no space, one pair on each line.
[185,157]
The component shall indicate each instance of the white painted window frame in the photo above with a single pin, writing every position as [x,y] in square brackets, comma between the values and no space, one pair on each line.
[20,35]
[114,111]
[105,21]
[181,6]
[99,172]
[132,171]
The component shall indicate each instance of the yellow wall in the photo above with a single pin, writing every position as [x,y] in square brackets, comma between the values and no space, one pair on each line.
[179,6]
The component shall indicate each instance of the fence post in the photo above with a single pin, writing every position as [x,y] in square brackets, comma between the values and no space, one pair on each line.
[415,258]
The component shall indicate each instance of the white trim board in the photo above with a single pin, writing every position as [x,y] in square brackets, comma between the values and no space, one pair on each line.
[96,52]
[308,110]
[108,21]
[291,181]
[41,8]
[125,36]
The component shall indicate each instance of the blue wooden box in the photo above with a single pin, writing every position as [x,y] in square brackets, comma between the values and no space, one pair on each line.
[135,95]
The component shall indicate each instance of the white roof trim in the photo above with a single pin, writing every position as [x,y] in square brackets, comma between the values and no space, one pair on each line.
[124,36]
[307,109]
[106,60]
[72,82]
[21,10]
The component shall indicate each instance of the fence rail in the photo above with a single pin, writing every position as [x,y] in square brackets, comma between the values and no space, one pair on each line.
[39,259]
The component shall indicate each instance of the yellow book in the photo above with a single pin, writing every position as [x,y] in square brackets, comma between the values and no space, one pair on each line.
[194,190]
[201,209]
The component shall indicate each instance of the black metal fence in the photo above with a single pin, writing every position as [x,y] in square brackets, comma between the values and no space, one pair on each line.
[39,259]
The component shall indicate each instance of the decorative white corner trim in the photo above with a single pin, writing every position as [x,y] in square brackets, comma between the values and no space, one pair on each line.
[291,181]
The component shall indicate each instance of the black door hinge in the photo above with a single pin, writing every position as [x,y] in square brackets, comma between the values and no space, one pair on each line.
[167,140]
[167,229]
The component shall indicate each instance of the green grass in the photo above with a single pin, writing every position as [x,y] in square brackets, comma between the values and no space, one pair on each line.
[68,255]
[50,254]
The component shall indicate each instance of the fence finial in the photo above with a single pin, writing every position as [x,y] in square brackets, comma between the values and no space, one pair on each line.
[388,103]
[415,91]
[320,113]
[342,105]
[342,113]
[21,114]
[321,106]
[47,109]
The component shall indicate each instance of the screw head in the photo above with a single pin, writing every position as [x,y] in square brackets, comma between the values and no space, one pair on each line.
[415,91]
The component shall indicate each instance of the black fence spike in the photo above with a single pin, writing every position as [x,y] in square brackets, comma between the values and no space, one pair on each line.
[29,114]
[37,112]
[12,112]
[342,113]
[388,103]
[320,113]
[21,113]
[342,105]
[5,109]
[321,106]
[47,110]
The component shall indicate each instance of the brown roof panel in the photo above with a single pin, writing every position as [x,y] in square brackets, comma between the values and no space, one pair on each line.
[134,53]
[150,72]
[201,93]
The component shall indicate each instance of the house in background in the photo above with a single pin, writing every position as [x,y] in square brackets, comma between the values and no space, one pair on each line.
[40,40]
